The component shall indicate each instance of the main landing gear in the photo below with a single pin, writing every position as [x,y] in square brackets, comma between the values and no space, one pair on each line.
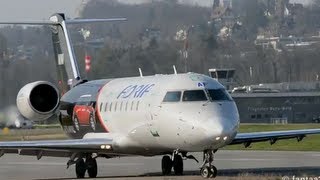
[175,162]
[207,169]
[90,165]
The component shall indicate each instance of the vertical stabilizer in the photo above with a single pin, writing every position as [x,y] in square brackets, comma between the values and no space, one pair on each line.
[67,66]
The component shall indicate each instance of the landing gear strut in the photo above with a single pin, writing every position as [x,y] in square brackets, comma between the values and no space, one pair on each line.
[208,170]
[90,165]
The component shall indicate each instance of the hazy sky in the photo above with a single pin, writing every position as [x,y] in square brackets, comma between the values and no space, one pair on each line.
[42,9]
[36,9]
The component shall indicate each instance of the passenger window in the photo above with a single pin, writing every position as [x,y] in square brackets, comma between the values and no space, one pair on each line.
[101,106]
[106,107]
[219,95]
[127,106]
[110,107]
[121,106]
[194,95]
[115,107]
[132,105]
[137,106]
[173,96]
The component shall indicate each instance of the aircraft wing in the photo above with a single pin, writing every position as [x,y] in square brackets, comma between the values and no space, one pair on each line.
[272,136]
[57,148]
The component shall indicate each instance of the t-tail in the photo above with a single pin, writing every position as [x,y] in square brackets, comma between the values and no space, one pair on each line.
[66,63]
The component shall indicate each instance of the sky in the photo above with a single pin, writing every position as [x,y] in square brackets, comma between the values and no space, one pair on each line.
[11,10]
[17,10]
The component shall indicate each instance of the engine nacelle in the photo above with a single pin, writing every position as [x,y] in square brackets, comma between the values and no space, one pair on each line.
[38,100]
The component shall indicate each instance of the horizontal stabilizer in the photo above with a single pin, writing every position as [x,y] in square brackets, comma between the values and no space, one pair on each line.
[80,21]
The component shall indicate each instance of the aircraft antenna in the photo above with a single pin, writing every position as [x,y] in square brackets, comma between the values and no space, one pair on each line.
[174,70]
[141,75]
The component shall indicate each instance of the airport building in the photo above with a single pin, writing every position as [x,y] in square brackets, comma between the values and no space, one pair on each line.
[273,103]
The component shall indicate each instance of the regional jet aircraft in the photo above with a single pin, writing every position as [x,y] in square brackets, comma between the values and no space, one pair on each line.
[170,115]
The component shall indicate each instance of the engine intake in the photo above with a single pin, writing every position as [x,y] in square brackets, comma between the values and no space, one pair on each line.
[38,100]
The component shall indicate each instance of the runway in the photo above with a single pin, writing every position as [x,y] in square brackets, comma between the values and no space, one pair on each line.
[230,164]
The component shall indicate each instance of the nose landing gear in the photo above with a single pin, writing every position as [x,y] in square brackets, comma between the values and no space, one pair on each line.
[207,169]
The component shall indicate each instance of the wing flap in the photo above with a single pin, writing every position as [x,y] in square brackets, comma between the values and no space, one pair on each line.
[272,136]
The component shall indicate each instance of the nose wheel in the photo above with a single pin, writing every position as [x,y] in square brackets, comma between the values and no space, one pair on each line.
[208,170]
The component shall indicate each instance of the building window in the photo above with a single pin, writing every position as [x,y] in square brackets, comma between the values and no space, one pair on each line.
[259,116]
[253,116]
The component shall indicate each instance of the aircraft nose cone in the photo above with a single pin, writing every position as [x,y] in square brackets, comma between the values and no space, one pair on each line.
[222,128]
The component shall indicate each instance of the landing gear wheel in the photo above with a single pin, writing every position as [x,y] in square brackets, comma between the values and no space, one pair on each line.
[92,167]
[213,172]
[208,170]
[205,172]
[92,123]
[166,165]
[76,124]
[81,168]
[178,165]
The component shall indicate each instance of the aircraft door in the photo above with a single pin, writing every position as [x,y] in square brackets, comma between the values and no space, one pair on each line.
[153,117]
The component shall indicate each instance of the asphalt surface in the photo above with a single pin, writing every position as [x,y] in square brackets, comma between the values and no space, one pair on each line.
[242,164]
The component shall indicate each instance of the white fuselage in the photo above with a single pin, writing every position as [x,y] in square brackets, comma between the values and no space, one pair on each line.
[135,108]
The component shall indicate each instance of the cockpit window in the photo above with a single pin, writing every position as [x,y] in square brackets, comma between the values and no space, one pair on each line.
[194,95]
[173,96]
[219,95]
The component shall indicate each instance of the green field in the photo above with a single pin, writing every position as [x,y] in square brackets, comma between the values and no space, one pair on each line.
[31,134]
[309,143]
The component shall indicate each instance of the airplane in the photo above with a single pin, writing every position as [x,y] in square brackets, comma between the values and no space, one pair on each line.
[169,115]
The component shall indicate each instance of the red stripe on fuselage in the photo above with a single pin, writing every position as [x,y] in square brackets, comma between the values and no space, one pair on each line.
[98,109]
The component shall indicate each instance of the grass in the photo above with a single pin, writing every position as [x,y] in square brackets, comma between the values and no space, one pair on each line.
[34,134]
[310,143]
[45,126]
